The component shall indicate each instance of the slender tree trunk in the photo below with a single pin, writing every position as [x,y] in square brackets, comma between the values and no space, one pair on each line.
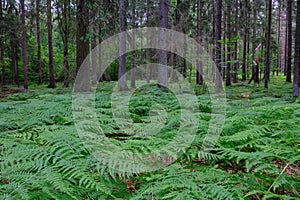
[285,50]
[289,43]
[65,30]
[132,57]
[224,45]
[14,66]
[297,53]
[38,40]
[236,64]
[267,66]
[3,78]
[278,38]
[244,69]
[213,70]
[122,64]
[24,46]
[148,69]
[100,56]
[163,55]
[94,61]
[218,44]
[50,46]
[255,65]
[228,68]
[199,66]
[95,52]
[82,48]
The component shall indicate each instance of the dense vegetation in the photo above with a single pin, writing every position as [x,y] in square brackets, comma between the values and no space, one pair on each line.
[256,156]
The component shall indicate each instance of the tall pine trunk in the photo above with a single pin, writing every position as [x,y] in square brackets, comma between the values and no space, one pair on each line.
[38,40]
[244,69]
[199,66]
[228,65]
[278,38]
[289,42]
[163,55]
[65,36]
[297,53]
[132,57]
[218,43]
[235,56]
[82,48]
[50,46]
[122,65]
[3,80]
[268,45]
[24,46]
[148,68]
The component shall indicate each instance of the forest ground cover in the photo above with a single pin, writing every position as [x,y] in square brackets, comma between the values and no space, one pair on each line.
[256,157]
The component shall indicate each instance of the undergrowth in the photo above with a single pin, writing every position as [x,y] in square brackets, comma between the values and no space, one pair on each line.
[256,157]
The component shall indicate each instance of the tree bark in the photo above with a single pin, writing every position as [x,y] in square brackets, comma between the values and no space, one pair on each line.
[289,42]
[297,53]
[38,40]
[278,38]
[228,67]
[268,45]
[163,55]
[82,48]
[65,37]
[24,45]
[3,78]
[132,57]
[218,44]
[244,69]
[255,66]
[199,66]
[236,64]
[122,65]
[148,69]
[50,46]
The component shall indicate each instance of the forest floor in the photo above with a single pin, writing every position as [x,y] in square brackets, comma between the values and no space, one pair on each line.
[256,156]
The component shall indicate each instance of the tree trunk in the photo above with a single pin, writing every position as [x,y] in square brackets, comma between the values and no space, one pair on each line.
[24,46]
[94,61]
[278,38]
[148,69]
[289,42]
[267,65]
[297,54]
[218,44]
[122,65]
[228,68]
[244,69]
[199,66]
[100,76]
[82,48]
[65,36]
[3,80]
[38,40]
[50,46]
[163,55]
[95,52]
[255,65]
[236,64]
[14,56]
[213,36]
[132,57]
[224,46]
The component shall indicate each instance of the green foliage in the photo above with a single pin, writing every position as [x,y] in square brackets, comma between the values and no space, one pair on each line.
[256,157]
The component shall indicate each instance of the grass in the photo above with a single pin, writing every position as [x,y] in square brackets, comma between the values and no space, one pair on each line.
[256,156]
